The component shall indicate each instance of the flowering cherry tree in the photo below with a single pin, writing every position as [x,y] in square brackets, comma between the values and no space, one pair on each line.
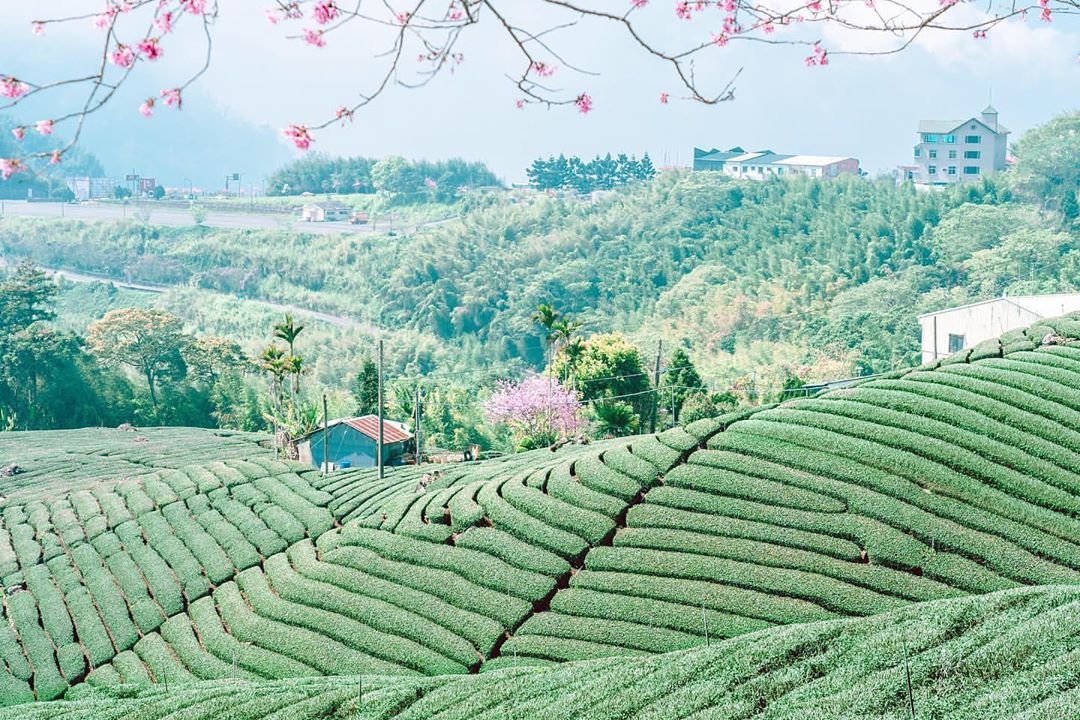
[538,409]
[422,39]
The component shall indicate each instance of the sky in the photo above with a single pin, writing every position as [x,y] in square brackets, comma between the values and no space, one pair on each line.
[259,81]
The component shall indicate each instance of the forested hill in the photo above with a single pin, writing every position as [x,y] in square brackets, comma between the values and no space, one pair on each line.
[746,274]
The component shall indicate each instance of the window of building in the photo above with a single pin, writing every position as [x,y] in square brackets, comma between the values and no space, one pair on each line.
[917,153]
[950,139]
[952,169]
[971,169]
[956,343]
[933,154]
[932,169]
[929,138]
[952,154]
[972,154]
[973,139]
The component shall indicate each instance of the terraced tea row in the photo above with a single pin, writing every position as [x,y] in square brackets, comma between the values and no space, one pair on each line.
[56,461]
[942,481]
[431,583]
[91,573]
[926,485]
[1006,654]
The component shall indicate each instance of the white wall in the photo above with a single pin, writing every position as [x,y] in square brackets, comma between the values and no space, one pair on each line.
[987,320]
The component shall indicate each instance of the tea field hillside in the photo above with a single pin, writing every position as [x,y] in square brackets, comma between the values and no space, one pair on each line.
[1006,654]
[924,486]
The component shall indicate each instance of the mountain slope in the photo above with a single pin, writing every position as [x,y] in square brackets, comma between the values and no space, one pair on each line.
[1006,654]
[962,478]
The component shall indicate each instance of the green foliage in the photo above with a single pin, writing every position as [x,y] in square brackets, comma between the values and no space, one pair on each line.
[600,173]
[393,175]
[1048,162]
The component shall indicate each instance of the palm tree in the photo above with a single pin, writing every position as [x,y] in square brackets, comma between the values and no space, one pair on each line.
[563,331]
[294,365]
[287,330]
[573,351]
[546,317]
[273,360]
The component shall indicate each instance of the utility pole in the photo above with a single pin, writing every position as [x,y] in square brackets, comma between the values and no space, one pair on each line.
[380,450]
[416,432]
[325,443]
[656,386]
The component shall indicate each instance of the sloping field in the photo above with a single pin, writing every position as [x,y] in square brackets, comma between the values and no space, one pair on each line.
[936,483]
[58,460]
[1007,654]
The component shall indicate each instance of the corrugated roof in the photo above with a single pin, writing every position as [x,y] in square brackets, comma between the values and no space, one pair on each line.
[1019,301]
[369,425]
[812,160]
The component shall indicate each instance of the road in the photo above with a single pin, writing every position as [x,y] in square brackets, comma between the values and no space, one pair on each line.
[340,321]
[173,217]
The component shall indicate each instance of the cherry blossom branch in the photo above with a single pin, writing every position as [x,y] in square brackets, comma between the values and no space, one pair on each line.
[436,30]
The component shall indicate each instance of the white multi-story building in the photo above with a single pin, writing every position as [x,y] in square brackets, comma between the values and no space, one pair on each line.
[948,331]
[951,151]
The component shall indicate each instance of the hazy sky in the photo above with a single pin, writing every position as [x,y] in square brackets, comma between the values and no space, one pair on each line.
[867,107]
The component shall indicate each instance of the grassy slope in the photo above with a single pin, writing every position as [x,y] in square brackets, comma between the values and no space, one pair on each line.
[936,483]
[1007,654]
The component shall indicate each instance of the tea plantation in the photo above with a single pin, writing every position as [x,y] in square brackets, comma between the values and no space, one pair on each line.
[1006,654]
[203,562]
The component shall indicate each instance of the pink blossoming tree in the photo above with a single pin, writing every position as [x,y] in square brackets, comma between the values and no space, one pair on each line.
[538,410]
[135,32]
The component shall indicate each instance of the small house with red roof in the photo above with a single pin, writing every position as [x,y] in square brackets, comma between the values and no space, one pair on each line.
[353,442]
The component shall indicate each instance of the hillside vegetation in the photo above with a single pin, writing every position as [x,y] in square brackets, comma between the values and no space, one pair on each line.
[1007,654]
[949,480]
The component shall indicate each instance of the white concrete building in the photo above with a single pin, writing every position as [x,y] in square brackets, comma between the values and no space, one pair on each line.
[952,151]
[948,331]
[331,211]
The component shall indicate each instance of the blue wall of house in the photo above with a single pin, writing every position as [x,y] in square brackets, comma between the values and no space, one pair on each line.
[346,444]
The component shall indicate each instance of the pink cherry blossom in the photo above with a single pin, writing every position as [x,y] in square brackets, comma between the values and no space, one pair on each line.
[729,6]
[815,5]
[123,56]
[455,14]
[535,407]
[768,28]
[344,114]
[54,159]
[325,11]
[542,69]
[164,22]
[147,108]
[664,98]
[195,7]
[298,135]
[583,102]
[12,88]
[638,4]
[45,127]
[430,183]
[172,98]
[150,48]
[38,28]
[101,21]
[519,104]
[719,40]
[314,37]
[403,17]
[682,10]
[18,132]
[273,17]
[8,167]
